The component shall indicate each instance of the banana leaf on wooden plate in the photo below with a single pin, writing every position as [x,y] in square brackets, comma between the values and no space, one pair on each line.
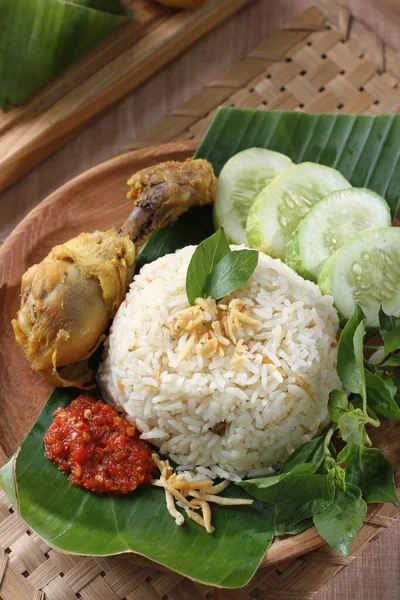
[75,520]
[366,151]
[364,148]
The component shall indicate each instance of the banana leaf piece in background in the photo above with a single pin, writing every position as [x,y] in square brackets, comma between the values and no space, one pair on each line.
[364,148]
[39,38]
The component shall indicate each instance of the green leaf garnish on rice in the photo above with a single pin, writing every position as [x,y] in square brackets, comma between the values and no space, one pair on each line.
[231,273]
[206,256]
[216,271]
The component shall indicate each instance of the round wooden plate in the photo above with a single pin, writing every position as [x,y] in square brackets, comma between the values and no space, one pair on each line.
[94,200]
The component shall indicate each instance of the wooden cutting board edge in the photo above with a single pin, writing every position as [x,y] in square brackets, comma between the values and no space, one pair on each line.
[35,130]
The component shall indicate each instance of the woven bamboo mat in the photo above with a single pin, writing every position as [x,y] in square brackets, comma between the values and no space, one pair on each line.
[314,64]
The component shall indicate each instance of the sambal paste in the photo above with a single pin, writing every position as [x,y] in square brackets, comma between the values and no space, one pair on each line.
[100,450]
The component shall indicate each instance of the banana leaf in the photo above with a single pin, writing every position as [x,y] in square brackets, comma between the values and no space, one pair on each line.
[38,38]
[191,229]
[364,148]
[75,520]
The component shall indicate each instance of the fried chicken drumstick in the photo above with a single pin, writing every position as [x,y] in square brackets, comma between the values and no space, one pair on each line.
[69,299]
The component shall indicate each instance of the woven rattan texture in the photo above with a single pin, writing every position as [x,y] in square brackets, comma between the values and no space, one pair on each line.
[31,570]
[310,65]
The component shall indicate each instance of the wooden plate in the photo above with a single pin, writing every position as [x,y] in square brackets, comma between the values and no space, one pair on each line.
[94,200]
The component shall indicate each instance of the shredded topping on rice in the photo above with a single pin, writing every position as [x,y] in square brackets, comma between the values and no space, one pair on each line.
[228,417]
[194,496]
[213,327]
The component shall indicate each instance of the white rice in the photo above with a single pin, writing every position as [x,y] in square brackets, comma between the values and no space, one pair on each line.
[175,403]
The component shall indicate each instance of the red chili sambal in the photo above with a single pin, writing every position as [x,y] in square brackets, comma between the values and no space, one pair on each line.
[100,450]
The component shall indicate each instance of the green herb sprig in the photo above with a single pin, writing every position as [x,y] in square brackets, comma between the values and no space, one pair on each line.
[215,270]
[315,486]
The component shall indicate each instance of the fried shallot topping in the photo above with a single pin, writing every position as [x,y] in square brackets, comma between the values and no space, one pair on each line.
[194,496]
[213,327]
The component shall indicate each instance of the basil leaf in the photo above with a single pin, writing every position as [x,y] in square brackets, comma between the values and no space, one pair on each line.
[356,402]
[298,528]
[332,450]
[231,273]
[370,471]
[206,256]
[396,384]
[351,425]
[307,496]
[391,384]
[261,488]
[393,361]
[380,395]
[309,452]
[358,345]
[299,487]
[350,360]
[339,523]
[338,404]
[390,331]
[333,454]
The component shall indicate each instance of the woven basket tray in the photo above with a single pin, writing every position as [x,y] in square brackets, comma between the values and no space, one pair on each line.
[314,64]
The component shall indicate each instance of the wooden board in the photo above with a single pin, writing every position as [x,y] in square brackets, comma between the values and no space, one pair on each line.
[95,200]
[105,75]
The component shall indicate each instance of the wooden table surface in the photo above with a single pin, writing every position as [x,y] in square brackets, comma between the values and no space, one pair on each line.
[375,575]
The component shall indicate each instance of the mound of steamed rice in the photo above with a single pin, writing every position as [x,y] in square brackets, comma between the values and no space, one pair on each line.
[211,415]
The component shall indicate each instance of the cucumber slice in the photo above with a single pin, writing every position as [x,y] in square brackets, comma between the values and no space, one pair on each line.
[240,181]
[278,209]
[366,271]
[330,224]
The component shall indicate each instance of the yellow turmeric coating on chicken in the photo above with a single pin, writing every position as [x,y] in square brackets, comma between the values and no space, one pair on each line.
[69,299]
